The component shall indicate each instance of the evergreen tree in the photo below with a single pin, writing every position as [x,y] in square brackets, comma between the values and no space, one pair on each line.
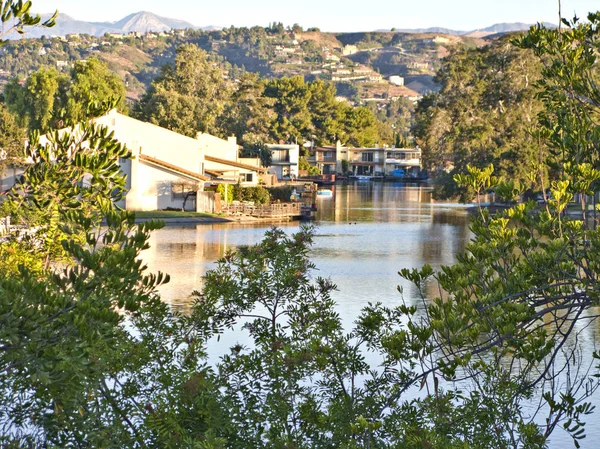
[482,115]
[188,96]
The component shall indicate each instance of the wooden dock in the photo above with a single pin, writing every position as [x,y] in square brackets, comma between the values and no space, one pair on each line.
[284,211]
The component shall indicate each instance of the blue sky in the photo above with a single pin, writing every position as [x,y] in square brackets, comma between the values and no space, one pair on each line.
[330,15]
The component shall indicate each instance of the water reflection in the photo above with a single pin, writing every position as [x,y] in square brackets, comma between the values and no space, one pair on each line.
[366,233]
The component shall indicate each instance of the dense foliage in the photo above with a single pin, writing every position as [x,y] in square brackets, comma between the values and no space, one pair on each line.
[482,115]
[188,96]
[12,138]
[49,99]
[194,95]
[91,357]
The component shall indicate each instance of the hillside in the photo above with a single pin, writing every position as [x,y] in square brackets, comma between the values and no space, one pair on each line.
[351,60]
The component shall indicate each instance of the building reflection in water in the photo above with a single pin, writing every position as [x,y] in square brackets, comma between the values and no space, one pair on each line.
[366,233]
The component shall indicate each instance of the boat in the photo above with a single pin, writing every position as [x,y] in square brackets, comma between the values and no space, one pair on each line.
[361,178]
[324,192]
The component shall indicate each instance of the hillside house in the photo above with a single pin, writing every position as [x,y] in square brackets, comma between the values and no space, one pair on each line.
[396,80]
[349,50]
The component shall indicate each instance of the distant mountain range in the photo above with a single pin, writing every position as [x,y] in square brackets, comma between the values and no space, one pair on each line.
[145,21]
[494,29]
[140,22]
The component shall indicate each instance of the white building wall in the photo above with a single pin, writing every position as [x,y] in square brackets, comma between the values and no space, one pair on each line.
[150,187]
[155,190]
[156,142]
[217,147]
[279,165]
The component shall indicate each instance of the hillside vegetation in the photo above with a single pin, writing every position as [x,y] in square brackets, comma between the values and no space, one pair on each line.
[272,51]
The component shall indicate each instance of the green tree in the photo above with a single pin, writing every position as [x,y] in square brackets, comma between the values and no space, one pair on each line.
[482,115]
[89,354]
[249,115]
[12,138]
[310,111]
[302,381]
[37,101]
[51,100]
[568,89]
[92,81]
[357,126]
[188,96]
[293,116]
[515,304]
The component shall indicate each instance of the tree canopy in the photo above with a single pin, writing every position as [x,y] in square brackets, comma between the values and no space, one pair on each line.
[188,96]
[482,115]
[49,99]
[12,138]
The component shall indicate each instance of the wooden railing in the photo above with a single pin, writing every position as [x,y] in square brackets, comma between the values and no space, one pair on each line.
[274,210]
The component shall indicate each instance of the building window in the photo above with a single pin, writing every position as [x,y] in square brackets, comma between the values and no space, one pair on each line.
[246,177]
[327,154]
[367,157]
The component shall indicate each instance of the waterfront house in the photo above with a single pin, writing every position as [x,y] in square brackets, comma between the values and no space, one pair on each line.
[366,161]
[403,162]
[166,166]
[325,159]
[284,160]
[375,161]
[223,164]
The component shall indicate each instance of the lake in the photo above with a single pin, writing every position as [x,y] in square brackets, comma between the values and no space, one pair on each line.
[365,234]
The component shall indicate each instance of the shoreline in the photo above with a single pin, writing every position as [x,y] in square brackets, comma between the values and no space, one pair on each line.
[217,220]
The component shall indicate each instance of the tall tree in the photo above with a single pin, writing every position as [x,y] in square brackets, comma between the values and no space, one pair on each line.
[92,81]
[12,138]
[37,101]
[481,115]
[50,100]
[188,96]
[309,111]
[292,96]
[249,116]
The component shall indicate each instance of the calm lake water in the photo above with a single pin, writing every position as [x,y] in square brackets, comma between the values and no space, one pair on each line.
[365,234]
